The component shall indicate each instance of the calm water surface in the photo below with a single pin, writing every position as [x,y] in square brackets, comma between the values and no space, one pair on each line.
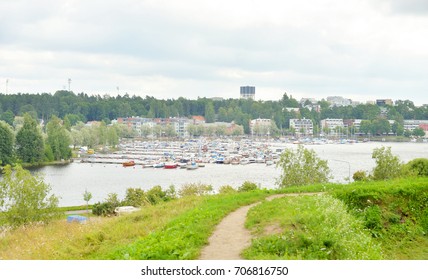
[70,181]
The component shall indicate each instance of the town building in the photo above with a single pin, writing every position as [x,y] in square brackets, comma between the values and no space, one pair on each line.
[306,100]
[339,101]
[198,120]
[248,92]
[384,102]
[412,124]
[136,123]
[302,127]
[331,123]
[260,126]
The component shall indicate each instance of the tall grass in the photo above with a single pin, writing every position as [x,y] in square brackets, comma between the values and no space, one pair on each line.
[308,227]
[172,230]
[93,240]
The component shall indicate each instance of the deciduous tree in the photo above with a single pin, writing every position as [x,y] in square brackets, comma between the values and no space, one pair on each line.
[29,141]
[302,167]
[25,198]
[6,143]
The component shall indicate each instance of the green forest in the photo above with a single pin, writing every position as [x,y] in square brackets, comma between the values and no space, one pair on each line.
[83,107]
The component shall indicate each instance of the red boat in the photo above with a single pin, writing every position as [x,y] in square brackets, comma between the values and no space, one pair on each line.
[128,163]
[170,165]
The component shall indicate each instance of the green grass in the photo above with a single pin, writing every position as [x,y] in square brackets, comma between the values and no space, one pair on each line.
[93,240]
[392,214]
[395,212]
[308,227]
[179,227]
[184,237]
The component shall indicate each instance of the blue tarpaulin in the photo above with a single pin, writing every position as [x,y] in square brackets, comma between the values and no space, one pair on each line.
[76,218]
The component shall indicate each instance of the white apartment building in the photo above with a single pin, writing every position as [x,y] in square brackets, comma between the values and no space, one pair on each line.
[331,123]
[302,126]
[260,126]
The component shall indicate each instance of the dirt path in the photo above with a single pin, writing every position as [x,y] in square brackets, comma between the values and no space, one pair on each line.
[230,236]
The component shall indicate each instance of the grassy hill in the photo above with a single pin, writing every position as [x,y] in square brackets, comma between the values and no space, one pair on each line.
[371,220]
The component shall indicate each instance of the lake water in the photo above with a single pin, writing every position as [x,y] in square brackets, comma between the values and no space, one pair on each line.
[70,181]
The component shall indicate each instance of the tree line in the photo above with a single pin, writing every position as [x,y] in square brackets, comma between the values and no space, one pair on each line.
[28,143]
[73,108]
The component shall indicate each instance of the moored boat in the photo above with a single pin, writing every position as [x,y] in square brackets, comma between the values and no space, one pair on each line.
[159,165]
[128,163]
[192,166]
[170,165]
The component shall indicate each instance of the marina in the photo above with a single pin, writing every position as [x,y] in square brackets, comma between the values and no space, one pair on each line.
[239,165]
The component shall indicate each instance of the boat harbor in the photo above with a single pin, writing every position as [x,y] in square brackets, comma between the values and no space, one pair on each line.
[186,154]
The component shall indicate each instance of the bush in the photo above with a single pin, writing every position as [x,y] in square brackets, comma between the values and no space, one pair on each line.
[107,207]
[134,197]
[387,166]
[360,175]
[103,209]
[25,198]
[419,166]
[226,190]
[197,189]
[302,167]
[247,187]
[155,195]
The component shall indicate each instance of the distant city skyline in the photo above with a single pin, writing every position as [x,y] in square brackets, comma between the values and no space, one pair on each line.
[359,49]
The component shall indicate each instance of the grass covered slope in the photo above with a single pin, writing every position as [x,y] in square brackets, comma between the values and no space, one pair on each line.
[177,229]
[390,215]
[308,227]
[183,237]
[371,220]
[395,212]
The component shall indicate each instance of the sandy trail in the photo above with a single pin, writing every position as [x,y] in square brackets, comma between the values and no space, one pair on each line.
[230,236]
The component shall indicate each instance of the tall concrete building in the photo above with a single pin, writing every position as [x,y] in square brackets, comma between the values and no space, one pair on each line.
[248,92]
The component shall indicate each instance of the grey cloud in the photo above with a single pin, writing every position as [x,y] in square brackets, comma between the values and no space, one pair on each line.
[415,7]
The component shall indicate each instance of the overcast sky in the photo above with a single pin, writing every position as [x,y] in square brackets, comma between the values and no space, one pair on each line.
[359,49]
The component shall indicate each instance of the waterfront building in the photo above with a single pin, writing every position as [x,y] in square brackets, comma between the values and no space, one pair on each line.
[332,123]
[136,123]
[412,124]
[302,126]
[260,126]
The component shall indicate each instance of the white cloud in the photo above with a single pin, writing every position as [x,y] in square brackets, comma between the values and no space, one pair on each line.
[196,48]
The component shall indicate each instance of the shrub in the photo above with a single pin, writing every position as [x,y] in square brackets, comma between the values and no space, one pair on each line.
[247,187]
[103,209]
[360,175]
[302,167]
[134,197]
[155,195]
[226,189]
[25,198]
[171,193]
[113,200]
[419,166]
[107,207]
[387,166]
[197,189]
